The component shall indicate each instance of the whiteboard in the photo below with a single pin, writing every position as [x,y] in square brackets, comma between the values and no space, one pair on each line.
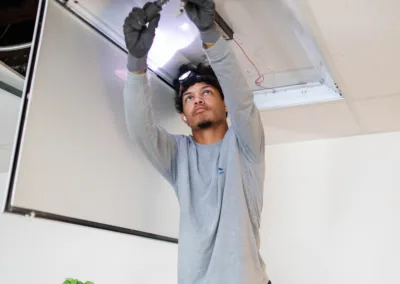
[75,160]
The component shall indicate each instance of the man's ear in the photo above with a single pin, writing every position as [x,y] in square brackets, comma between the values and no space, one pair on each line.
[183,117]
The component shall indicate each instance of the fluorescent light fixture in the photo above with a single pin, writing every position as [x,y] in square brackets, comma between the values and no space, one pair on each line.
[166,44]
[296,95]
[165,54]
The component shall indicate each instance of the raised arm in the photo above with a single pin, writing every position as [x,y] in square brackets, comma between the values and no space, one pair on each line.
[157,145]
[155,142]
[243,113]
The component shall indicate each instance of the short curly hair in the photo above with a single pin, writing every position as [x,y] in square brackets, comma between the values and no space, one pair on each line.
[205,74]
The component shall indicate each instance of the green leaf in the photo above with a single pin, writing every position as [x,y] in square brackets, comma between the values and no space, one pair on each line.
[75,281]
[70,281]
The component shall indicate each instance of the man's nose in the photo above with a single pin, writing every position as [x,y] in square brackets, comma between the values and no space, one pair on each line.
[199,100]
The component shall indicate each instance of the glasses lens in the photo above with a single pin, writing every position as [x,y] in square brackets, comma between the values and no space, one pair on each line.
[184,76]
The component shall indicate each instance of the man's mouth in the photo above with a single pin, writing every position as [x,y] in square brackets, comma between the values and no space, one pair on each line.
[198,110]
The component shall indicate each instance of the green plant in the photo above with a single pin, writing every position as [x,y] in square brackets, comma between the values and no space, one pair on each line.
[75,281]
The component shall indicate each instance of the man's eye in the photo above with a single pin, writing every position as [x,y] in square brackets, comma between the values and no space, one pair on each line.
[188,98]
[208,92]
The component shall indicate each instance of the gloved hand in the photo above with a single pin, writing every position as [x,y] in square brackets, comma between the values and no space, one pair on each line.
[202,14]
[138,37]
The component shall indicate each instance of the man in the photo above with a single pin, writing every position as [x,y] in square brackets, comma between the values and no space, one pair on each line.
[218,171]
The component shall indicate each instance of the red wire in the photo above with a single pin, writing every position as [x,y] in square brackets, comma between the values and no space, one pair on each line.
[260,78]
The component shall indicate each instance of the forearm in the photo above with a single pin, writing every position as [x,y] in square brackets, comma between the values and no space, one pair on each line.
[138,116]
[238,96]
[157,145]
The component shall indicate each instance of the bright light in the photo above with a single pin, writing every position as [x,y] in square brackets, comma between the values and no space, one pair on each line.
[167,44]
[184,27]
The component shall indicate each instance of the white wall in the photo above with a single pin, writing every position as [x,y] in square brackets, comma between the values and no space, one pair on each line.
[332,211]
[41,251]
[331,215]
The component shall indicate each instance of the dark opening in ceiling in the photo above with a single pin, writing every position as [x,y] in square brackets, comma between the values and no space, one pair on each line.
[17,21]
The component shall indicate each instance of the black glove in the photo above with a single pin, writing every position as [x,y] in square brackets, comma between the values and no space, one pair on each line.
[202,14]
[138,37]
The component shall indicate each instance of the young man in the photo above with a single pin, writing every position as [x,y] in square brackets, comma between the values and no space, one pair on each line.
[218,172]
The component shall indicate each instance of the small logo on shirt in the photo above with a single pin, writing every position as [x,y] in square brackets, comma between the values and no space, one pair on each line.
[220,171]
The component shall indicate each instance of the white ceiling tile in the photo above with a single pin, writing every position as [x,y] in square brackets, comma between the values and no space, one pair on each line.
[362,41]
[379,114]
[309,122]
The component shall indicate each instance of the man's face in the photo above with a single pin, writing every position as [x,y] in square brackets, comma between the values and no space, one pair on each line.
[203,106]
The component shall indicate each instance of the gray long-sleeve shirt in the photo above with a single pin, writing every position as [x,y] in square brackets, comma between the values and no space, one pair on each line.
[219,186]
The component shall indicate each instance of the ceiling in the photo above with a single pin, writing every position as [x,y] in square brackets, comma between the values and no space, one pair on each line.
[261,29]
[358,40]
[264,31]
[17,21]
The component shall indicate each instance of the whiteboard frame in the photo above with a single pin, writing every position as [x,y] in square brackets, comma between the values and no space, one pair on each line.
[9,207]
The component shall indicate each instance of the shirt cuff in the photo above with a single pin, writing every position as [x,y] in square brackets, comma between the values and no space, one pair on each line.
[218,51]
[210,36]
[137,64]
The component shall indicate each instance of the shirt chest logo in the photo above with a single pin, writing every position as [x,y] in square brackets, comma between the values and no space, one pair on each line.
[220,171]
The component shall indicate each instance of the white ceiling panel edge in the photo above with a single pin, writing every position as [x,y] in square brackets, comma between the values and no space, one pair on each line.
[295,96]
[305,36]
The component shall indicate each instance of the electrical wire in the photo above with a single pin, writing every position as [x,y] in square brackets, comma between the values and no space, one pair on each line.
[260,78]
